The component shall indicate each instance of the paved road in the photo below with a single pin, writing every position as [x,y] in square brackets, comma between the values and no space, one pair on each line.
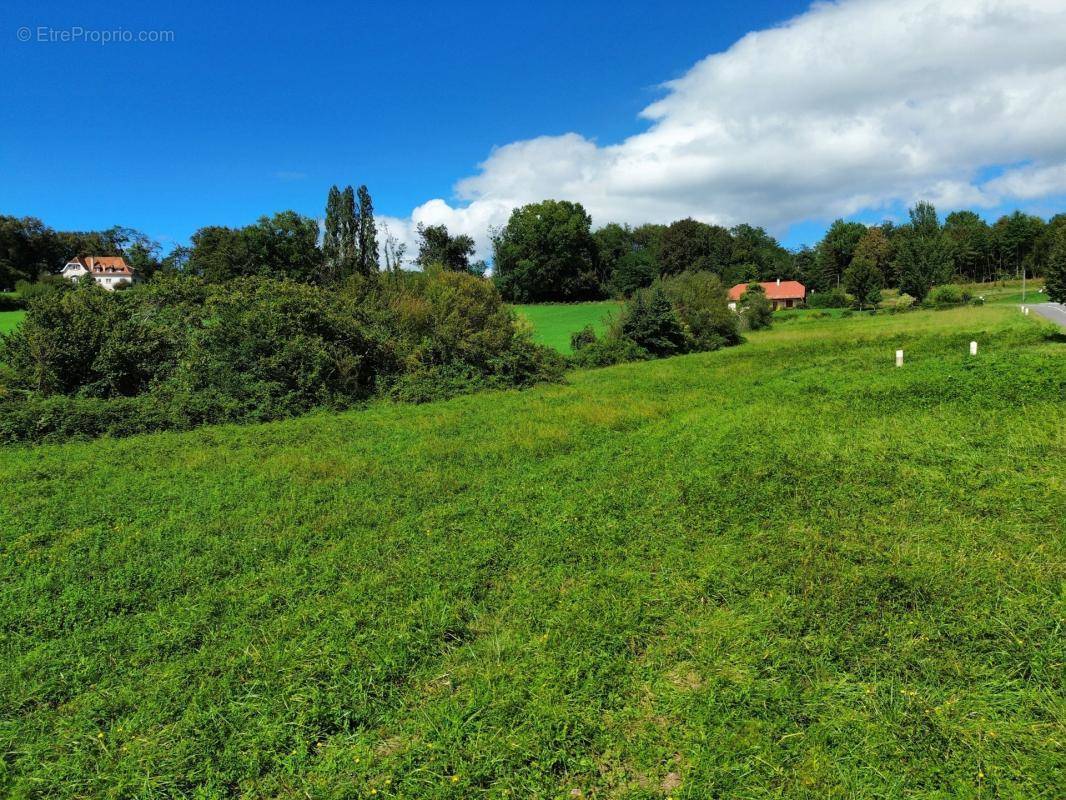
[1055,312]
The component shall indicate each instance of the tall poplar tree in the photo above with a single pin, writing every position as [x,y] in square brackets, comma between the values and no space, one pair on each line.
[331,237]
[340,246]
[368,235]
[349,233]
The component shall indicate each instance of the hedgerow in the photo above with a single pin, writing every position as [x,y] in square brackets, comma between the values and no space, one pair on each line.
[685,313]
[178,352]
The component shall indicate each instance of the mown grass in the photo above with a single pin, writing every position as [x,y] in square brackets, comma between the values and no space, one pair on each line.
[554,322]
[9,320]
[992,291]
[1007,291]
[786,569]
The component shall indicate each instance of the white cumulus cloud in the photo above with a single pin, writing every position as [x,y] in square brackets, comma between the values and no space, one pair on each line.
[850,106]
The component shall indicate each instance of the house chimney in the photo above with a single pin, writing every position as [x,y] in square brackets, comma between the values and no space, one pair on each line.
[778,281]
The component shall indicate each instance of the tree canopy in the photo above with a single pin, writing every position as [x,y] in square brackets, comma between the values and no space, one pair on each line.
[1056,266]
[284,245]
[437,246]
[691,245]
[834,254]
[547,252]
[340,246]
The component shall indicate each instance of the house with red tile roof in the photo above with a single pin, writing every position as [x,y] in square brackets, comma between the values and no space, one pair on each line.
[108,271]
[781,294]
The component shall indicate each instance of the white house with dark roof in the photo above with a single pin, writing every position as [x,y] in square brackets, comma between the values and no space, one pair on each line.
[108,271]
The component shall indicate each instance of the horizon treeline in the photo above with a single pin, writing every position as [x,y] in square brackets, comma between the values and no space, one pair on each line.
[549,251]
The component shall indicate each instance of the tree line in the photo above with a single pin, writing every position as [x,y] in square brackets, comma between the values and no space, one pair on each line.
[548,251]
[286,245]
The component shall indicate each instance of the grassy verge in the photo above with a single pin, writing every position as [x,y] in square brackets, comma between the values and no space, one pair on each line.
[786,569]
[10,319]
[554,322]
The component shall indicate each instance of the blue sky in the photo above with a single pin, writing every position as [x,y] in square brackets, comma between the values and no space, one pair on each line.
[248,112]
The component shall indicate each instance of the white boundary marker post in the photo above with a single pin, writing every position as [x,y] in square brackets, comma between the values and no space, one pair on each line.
[899,358]
[973,348]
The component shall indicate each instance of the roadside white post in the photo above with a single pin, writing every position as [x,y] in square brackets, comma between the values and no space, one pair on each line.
[899,358]
[973,348]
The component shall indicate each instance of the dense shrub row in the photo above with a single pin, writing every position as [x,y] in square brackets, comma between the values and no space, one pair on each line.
[686,313]
[178,352]
[836,298]
[943,296]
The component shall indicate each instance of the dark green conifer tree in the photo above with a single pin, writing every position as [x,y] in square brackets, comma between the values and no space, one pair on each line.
[368,235]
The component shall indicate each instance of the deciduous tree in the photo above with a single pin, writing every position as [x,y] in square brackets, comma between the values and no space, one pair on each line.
[922,261]
[864,280]
[1056,267]
[437,246]
[834,254]
[757,311]
[691,245]
[1014,239]
[875,245]
[546,252]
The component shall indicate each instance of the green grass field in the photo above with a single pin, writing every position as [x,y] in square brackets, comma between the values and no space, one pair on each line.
[993,291]
[9,319]
[786,569]
[554,322]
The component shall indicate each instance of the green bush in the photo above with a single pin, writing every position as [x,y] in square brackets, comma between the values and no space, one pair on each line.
[254,349]
[650,321]
[45,284]
[948,295]
[582,338]
[756,311]
[702,304]
[903,303]
[836,298]
[609,351]
[459,320]
[54,350]
[277,348]
[11,301]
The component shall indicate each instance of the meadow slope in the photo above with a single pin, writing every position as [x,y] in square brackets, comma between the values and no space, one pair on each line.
[785,569]
[9,320]
[553,323]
